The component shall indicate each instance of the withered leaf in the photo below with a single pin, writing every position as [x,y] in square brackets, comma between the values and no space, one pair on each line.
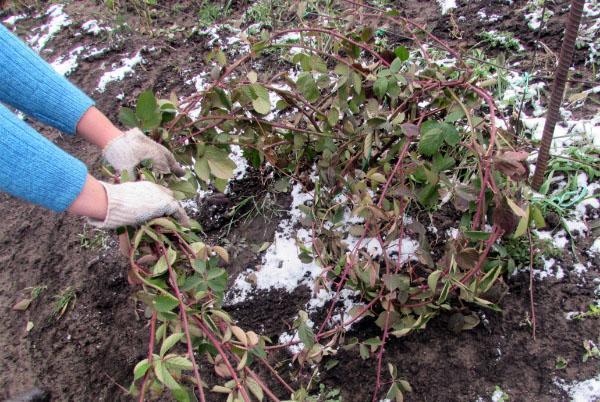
[411,130]
[513,164]
[504,217]
[467,258]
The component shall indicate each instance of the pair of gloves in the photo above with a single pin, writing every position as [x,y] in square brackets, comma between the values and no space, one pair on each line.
[133,203]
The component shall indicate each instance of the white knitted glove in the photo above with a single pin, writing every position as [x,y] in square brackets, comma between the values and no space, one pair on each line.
[126,151]
[133,203]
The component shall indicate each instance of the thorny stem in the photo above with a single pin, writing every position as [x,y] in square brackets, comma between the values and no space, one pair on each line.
[150,354]
[261,384]
[219,346]
[186,327]
[380,355]
[276,374]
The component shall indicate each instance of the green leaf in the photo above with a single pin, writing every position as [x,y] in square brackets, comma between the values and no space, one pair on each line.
[160,267]
[255,388]
[220,165]
[477,235]
[432,280]
[450,134]
[164,303]
[179,362]
[395,281]
[262,106]
[380,87]
[428,195]
[333,116]
[402,53]
[140,369]
[163,375]
[224,98]
[181,395]
[356,82]
[147,110]
[396,65]
[201,169]
[431,139]
[442,162]
[318,64]
[306,335]
[308,87]
[260,91]
[169,342]
[128,118]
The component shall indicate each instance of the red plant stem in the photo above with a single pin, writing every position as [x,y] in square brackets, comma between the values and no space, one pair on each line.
[150,354]
[335,34]
[333,56]
[357,246]
[380,355]
[496,233]
[396,167]
[276,374]
[266,122]
[256,378]
[219,346]
[399,20]
[186,327]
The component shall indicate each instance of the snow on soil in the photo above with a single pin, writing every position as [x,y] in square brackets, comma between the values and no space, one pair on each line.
[446,5]
[119,72]
[67,64]
[12,20]
[93,28]
[584,391]
[57,19]
[281,267]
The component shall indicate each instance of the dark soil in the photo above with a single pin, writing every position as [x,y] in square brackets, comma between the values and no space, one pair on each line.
[89,352]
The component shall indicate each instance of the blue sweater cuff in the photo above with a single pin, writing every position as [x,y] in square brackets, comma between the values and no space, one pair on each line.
[35,169]
[31,85]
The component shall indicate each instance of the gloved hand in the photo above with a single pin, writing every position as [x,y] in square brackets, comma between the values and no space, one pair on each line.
[133,203]
[127,151]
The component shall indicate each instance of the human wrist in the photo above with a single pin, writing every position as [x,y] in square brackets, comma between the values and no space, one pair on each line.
[92,201]
[97,129]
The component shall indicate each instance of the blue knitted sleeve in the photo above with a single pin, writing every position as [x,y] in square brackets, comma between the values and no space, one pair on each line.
[34,169]
[30,84]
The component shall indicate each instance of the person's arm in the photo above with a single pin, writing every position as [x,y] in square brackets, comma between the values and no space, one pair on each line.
[31,85]
[36,170]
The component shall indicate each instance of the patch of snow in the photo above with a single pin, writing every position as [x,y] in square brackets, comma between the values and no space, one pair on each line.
[199,82]
[91,27]
[94,52]
[579,269]
[57,20]
[287,337]
[12,20]
[584,391]
[118,73]
[281,267]
[546,272]
[565,134]
[576,225]
[595,247]
[534,18]
[499,396]
[67,64]
[446,5]
[241,164]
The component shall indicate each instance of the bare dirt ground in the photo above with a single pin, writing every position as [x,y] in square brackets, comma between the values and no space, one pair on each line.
[89,353]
